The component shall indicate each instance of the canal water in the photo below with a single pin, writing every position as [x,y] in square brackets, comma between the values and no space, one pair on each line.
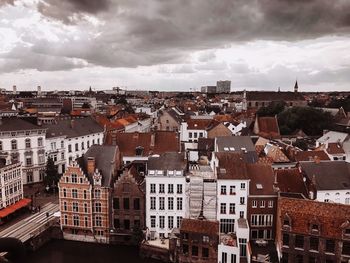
[62,251]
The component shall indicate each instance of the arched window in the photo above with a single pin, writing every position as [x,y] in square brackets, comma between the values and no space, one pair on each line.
[27,141]
[14,144]
[74,178]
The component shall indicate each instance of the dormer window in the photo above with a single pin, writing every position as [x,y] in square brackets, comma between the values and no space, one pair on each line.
[315,227]
[287,222]
[346,230]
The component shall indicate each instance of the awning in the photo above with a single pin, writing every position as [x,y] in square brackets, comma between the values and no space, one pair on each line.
[12,208]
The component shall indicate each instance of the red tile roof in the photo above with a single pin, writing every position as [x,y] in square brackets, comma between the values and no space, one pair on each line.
[335,148]
[200,226]
[311,156]
[290,180]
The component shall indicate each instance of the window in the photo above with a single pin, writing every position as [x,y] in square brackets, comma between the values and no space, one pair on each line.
[233,258]
[85,194]
[161,188]
[75,207]
[314,243]
[179,188]
[205,252]
[85,207]
[241,200]
[65,219]
[41,158]
[170,188]
[116,203]
[153,203]
[178,221]
[330,245]
[223,189]
[153,221]
[241,214]
[285,240]
[76,147]
[232,190]
[161,221]
[64,206]
[98,208]
[170,203]
[62,144]
[76,220]
[161,203]
[64,192]
[137,204]
[232,208]
[222,208]
[126,224]
[27,143]
[97,193]
[74,178]
[126,205]
[346,248]
[98,221]
[13,145]
[170,222]
[299,241]
[270,204]
[86,221]
[185,249]
[69,148]
[254,204]
[262,204]
[227,226]
[242,186]
[153,189]
[29,160]
[74,193]
[40,142]
[82,146]
[179,203]
[205,239]
[224,257]
[195,251]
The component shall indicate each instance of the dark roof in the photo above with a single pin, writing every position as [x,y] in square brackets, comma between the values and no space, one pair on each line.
[164,141]
[199,226]
[290,181]
[268,127]
[167,161]
[238,144]
[273,96]
[329,175]
[261,179]
[105,158]
[73,127]
[231,166]
[17,124]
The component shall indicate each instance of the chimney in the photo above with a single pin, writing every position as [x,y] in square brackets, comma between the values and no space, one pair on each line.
[153,140]
[317,159]
[72,124]
[91,165]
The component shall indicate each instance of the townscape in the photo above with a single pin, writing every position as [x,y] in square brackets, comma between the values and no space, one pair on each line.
[217,175]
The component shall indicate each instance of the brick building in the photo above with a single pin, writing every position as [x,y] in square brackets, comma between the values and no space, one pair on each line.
[128,205]
[311,231]
[85,195]
[198,241]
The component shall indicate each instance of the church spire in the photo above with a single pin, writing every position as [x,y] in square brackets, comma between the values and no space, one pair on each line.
[296,87]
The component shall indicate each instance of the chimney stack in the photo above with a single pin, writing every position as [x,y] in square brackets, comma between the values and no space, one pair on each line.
[91,165]
[317,159]
[72,124]
[153,139]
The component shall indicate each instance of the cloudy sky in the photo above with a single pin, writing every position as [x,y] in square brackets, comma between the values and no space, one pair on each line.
[175,44]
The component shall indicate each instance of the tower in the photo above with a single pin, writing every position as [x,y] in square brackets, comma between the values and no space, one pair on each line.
[244,101]
[296,87]
[39,91]
[14,89]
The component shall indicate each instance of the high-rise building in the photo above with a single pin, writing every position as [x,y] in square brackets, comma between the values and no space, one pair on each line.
[223,86]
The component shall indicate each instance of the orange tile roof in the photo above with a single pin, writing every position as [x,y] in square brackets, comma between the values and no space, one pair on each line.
[12,208]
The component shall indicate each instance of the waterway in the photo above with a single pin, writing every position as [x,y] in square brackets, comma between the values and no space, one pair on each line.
[62,251]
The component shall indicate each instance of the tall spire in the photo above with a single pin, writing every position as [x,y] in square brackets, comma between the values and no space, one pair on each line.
[296,86]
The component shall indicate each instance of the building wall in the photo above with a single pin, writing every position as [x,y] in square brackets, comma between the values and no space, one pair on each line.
[126,218]
[262,217]
[55,148]
[167,122]
[334,196]
[87,228]
[157,213]
[11,184]
[32,172]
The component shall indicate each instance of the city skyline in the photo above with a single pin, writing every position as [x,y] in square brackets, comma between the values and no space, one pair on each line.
[74,44]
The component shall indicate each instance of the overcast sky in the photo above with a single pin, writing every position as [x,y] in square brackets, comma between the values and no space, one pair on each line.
[175,44]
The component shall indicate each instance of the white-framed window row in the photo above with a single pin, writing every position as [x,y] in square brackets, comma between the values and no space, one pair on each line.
[261,220]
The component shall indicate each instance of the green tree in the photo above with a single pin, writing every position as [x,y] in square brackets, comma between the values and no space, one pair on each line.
[52,176]
[275,107]
[137,235]
[312,121]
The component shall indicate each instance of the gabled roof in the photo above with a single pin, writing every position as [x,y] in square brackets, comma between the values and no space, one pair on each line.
[73,127]
[167,161]
[17,124]
[267,127]
[261,179]
[231,166]
[105,158]
[164,141]
[335,148]
[290,181]
[329,175]
[311,156]
[200,226]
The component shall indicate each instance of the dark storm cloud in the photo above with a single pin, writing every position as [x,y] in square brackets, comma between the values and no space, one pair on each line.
[142,33]
[6,2]
[65,9]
